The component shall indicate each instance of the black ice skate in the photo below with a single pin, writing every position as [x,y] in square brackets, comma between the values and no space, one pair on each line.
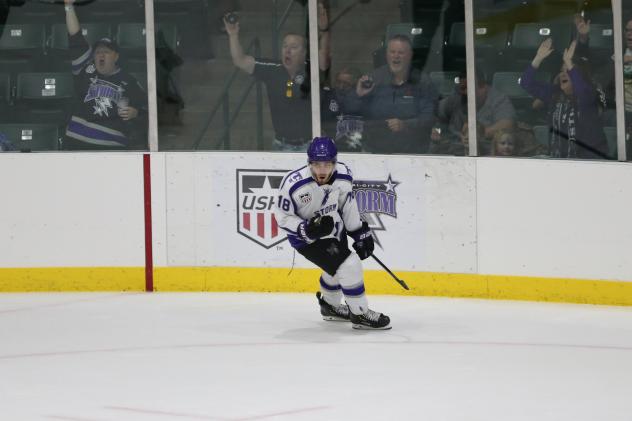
[371,320]
[339,313]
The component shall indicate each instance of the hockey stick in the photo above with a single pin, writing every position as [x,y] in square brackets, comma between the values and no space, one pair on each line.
[399,281]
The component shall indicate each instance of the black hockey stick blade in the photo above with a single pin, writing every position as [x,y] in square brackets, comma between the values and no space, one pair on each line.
[399,281]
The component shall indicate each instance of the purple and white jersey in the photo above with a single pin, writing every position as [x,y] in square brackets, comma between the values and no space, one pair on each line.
[301,198]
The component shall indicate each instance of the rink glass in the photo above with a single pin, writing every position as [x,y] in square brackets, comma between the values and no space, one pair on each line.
[36,84]
[205,103]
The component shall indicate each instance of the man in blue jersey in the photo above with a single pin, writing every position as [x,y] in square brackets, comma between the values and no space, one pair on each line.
[111,105]
[317,208]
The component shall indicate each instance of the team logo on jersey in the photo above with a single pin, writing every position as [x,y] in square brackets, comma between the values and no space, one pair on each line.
[333,106]
[104,94]
[305,198]
[257,192]
[376,198]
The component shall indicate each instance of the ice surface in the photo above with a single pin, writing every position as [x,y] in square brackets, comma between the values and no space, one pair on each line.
[230,356]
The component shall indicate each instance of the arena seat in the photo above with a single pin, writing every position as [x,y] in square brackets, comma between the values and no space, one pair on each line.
[58,40]
[22,47]
[32,137]
[445,82]
[44,97]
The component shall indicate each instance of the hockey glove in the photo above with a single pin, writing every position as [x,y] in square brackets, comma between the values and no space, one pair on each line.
[316,227]
[363,241]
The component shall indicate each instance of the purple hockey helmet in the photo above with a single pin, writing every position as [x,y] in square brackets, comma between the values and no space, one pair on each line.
[322,149]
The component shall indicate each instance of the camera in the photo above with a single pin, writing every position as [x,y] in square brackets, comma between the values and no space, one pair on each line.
[232,18]
[367,84]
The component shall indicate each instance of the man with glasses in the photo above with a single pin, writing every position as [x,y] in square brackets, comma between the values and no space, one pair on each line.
[287,81]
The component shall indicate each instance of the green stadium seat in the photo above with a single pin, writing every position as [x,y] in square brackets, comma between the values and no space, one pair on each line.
[44,97]
[529,36]
[420,34]
[92,31]
[491,35]
[541,134]
[5,88]
[141,77]
[601,36]
[23,38]
[445,82]
[131,36]
[509,83]
[5,98]
[611,136]
[32,137]
[45,86]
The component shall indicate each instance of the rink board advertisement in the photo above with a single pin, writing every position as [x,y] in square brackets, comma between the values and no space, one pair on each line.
[220,210]
[449,226]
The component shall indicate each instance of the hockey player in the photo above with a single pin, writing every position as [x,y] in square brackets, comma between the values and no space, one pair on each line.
[317,209]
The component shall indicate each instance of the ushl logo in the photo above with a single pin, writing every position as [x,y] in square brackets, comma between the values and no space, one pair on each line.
[257,192]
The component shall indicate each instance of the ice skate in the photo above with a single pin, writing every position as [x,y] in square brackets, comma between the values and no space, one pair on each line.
[339,313]
[371,320]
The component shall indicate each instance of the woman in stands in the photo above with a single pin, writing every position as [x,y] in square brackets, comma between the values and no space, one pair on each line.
[573,106]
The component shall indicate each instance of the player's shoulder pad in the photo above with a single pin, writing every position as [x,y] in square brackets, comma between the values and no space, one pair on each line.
[295,176]
[343,172]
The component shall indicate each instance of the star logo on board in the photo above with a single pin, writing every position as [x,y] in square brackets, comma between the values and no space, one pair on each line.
[376,198]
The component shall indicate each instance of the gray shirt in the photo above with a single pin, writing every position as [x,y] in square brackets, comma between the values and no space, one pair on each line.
[452,110]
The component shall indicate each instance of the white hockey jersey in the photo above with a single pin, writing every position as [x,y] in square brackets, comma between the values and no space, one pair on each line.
[301,198]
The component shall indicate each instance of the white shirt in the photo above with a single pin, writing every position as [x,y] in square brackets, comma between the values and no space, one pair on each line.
[301,198]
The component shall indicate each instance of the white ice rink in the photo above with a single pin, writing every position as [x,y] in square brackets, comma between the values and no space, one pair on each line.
[229,357]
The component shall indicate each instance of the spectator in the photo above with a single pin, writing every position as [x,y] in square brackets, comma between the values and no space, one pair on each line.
[112,107]
[503,143]
[346,129]
[573,106]
[494,112]
[397,103]
[287,82]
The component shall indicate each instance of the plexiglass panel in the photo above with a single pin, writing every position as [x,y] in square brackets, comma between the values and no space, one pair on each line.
[67,75]
[239,77]
[545,79]
[392,62]
[627,74]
